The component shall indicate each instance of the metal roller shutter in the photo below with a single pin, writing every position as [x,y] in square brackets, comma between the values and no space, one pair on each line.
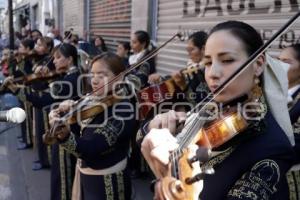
[111,20]
[267,16]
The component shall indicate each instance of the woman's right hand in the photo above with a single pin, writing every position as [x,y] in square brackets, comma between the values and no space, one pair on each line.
[63,107]
[53,116]
[41,70]
[66,106]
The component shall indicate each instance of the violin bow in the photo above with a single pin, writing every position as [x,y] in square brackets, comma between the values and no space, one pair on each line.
[134,66]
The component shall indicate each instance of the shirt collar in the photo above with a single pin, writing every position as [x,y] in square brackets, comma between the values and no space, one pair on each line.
[292,90]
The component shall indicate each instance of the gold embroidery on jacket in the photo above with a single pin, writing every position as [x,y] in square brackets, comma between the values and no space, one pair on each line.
[217,159]
[121,188]
[108,186]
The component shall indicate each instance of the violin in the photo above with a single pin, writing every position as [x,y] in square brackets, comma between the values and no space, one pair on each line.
[20,57]
[213,134]
[36,77]
[22,81]
[208,134]
[157,93]
[84,109]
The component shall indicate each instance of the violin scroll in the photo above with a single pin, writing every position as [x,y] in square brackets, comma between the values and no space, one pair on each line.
[60,132]
[49,139]
[172,189]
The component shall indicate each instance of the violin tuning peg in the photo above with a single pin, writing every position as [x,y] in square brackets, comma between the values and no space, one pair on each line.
[202,154]
[200,176]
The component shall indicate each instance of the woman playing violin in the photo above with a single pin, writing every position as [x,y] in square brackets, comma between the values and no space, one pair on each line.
[253,164]
[43,49]
[20,66]
[24,66]
[195,50]
[102,145]
[193,81]
[65,61]
[64,87]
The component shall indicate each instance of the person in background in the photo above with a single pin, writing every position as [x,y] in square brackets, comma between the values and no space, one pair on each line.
[35,35]
[195,50]
[64,87]
[100,44]
[67,37]
[291,56]
[123,50]
[55,41]
[74,40]
[140,42]
[56,34]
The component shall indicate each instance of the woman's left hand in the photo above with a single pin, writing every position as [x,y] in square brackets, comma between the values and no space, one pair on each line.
[63,131]
[156,148]
[154,79]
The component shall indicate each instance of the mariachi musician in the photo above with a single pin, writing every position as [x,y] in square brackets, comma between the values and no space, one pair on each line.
[102,142]
[195,82]
[291,56]
[251,163]
[20,65]
[64,86]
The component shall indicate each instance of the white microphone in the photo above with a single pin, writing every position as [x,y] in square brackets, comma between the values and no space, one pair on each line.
[14,115]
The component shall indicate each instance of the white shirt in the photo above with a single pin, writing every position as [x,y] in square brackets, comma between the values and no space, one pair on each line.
[136,57]
[291,91]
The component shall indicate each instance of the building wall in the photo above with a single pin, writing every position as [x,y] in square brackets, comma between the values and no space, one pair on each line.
[140,15]
[73,15]
[188,16]
[110,19]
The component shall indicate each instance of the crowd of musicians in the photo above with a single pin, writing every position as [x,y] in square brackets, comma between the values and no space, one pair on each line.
[96,135]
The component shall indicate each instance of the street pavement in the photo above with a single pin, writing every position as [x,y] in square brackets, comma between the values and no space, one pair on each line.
[18,181]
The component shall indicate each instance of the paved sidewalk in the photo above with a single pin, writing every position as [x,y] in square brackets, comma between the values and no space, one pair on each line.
[18,181]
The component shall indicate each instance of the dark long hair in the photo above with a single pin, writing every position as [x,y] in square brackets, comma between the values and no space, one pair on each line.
[68,50]
[48,42]
[113,61]
[198,38]
[28,43]
[143,37]
[126,46]
[296,48]
[246,34]
[103,45]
